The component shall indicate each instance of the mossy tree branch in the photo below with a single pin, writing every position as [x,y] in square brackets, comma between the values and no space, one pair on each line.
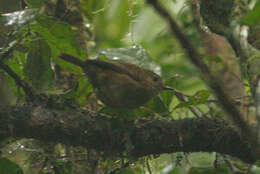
[113,136]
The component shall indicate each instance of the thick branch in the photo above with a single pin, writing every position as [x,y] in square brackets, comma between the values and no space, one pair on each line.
[114,135]
[211,80]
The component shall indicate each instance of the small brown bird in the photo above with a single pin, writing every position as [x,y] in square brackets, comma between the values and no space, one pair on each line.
[118,84]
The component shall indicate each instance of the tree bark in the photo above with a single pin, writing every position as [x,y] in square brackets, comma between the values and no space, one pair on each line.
[115,136]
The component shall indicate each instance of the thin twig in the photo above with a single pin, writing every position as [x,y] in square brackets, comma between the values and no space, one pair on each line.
[183,97]
[27,89]
[232,167]
[209,78]
[235,101]
[25,86]
[148,166]
[196,14]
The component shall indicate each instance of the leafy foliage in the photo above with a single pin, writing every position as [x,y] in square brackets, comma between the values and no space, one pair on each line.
[38,65]
[253,17]
[117,30]
[199,98]
[9,167]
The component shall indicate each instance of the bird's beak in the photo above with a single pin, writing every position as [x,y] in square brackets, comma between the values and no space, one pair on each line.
[168,88]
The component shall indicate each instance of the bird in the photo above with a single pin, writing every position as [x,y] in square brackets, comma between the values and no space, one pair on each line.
[118,84]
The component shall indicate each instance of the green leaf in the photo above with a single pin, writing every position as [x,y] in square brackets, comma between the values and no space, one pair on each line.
[9,167]
[184,104]
[58,34]
[34,3]
[130,171]
[91,7]
[63,167]
[61,38]
[167,95]
[253,17]
[157,105]
[257,163]
[221,169]
[212,59]
[38,66]
[256,170]
[83,91]
[202,159]
[199,97]
[7,94]
[254,58]
[109,25]
[16,20]
[134,55]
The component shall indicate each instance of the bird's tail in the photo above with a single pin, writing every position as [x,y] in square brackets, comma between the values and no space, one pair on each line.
[72,59]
